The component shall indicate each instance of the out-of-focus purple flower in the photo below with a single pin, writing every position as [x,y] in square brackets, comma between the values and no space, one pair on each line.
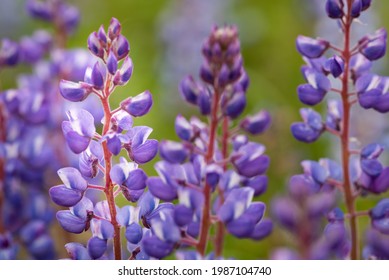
[242,218]
[77,251]
[380,216]
[35,236]
[8,248]
[9,53]
[376,247]
[173,152]
[257,123]
[249,160]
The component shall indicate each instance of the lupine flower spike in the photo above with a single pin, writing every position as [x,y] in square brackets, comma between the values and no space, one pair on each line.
[214,176]
[360,173]
[96,151]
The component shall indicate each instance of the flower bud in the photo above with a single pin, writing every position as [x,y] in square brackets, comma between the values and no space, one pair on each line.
[95,46]
[97,76]
[334,8]
[204,101]
[235,106]
[356,8]
[365,4]
[206,73]
[120,47]
[189,90]
[102,36]
[114,29]
[125,73]
[112,63]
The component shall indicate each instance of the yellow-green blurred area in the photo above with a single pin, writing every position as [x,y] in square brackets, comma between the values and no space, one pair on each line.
[268,30]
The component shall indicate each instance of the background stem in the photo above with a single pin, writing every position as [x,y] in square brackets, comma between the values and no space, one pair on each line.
[345,135]
[206,213]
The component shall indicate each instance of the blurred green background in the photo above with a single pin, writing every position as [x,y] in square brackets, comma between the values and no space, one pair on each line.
[268,30]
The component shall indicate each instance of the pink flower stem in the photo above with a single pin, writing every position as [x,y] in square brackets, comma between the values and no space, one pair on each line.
[108,190]
[345,136]
[206,213]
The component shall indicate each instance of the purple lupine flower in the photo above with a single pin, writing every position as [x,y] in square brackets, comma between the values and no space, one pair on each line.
[311,48]
[373,47]
[9,53]
[139,148]
[351,79]
[197,169]
[33,147]
[379,216]
[71,192]
[139,105]
[79,130]
[334,8]
[309,130]
[78,218]
[257,123]
[57,12]
[130,178]
[376,247]
[372,176]
[90,159]
[97,154]
[335,65]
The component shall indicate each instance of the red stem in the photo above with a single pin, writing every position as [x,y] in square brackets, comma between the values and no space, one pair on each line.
[108,183]
[219,239]
[2,163]
[345,135]
[206,213]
